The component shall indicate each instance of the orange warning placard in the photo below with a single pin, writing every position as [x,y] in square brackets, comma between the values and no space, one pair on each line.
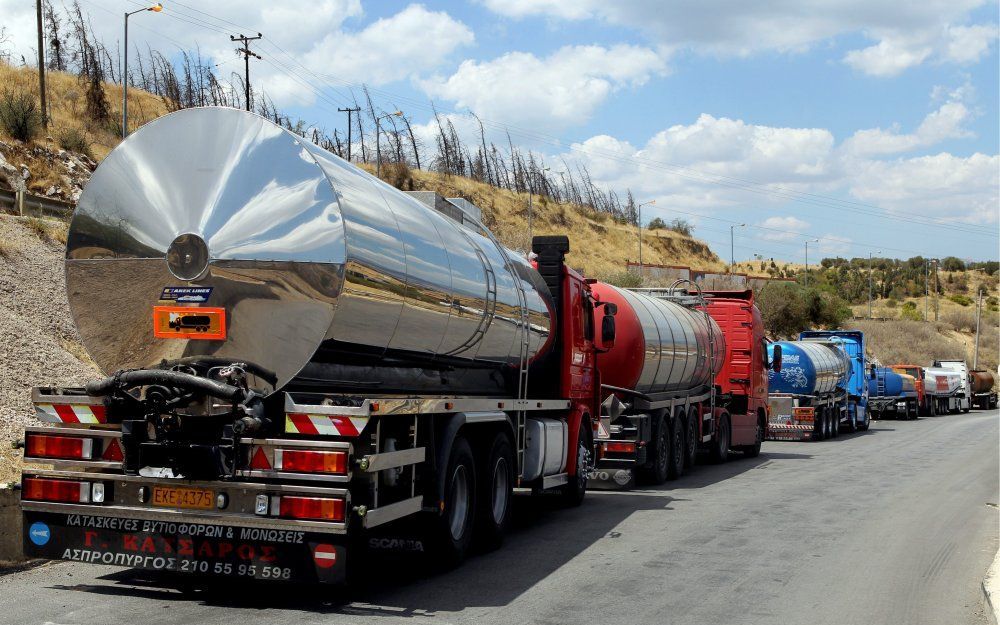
[183,322]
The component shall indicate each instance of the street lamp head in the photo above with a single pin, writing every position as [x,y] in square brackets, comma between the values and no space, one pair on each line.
[156,8]
[813,241]
[398,113]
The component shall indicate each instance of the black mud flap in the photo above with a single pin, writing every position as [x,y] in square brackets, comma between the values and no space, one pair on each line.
[181,547]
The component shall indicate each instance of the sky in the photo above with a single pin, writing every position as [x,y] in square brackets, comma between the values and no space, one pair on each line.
[868,127]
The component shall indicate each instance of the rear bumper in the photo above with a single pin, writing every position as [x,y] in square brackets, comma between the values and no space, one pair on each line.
[789,432]
[178,545]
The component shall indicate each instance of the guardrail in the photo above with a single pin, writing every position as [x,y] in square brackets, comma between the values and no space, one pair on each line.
[20,203]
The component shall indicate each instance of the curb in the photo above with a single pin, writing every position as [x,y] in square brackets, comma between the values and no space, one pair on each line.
[991,591]
[11,550]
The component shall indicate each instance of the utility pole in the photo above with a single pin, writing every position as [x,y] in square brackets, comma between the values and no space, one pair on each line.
[979,314]
[732,247]
[41,65]
[638,223]
[937,286]
[245,51]
[870,283]
[349,111]
[927,289]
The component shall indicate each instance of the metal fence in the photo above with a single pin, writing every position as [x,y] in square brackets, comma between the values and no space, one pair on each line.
[25,204]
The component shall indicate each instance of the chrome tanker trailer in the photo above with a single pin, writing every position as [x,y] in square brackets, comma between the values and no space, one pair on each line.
[808,397]
[300,357]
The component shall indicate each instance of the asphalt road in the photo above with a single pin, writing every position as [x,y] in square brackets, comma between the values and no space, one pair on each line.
[896,525]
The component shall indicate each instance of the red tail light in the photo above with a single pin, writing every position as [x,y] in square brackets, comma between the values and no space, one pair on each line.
[619,447]
[308,461]
[311,508]
[45,489]
[60,447]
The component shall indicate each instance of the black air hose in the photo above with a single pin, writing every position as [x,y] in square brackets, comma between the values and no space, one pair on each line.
[131,379]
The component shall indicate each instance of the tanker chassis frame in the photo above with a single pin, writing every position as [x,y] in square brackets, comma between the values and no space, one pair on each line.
[384,459]
[795,417]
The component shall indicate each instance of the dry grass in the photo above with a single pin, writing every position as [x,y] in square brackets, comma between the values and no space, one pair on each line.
[599,246]
[67,106]
[48,230]
[8,249]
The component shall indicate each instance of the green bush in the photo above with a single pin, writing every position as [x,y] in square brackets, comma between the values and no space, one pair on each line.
[790,308]
[623,279]
[909,312]
[19,115]
[656,224]
[961,300]
[75,141]
[892,303]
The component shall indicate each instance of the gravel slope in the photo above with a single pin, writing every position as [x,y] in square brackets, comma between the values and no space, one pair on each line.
[37,337]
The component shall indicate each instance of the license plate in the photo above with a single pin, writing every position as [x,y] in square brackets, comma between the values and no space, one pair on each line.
[183,497]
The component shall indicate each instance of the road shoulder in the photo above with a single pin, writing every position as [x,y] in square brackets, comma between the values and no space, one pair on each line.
[991,591]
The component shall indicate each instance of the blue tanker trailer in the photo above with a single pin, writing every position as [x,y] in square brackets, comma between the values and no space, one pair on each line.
[853,343]
[892,394]
[808,397]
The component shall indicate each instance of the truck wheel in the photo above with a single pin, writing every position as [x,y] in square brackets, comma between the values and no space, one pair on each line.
[496,487]
[691,439]
[658,468]
[677,447]
[819,425]
[835,422]
[454,528]
[576,488]
[720,443]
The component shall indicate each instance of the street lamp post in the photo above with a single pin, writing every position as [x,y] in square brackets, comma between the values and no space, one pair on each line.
[378,140]
[870,283]
[156,8]
[638,223]
[927,288]
[807,258]
[732,246]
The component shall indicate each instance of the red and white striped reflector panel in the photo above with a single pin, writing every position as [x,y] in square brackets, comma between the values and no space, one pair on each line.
[70,413]
[324,424]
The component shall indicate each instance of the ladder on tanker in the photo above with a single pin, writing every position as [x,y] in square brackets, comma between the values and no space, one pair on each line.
[524,347]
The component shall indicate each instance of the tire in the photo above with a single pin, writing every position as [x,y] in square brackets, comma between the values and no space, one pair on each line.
[819,425]
[575,490]
[852,426]
[658,469]
[677,446]
[864,425]
[835,422]
[752,451]
[496,490]
[691,439]
[454,528]
[719,451]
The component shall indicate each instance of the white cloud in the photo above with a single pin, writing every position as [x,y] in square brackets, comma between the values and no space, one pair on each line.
[940,185]
[902,38]
[786,228]
[562,89]
[947,122]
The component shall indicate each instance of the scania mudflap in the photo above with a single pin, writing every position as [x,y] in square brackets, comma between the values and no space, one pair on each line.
[187,546]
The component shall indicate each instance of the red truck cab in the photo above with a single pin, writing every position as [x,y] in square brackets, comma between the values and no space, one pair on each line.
[742,381]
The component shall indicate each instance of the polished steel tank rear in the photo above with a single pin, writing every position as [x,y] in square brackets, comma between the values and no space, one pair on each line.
[305,253]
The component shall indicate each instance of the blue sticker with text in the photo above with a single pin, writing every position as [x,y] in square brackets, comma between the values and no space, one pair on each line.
[39,533]
[186,294]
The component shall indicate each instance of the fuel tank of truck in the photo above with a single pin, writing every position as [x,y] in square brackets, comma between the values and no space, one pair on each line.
[214,235]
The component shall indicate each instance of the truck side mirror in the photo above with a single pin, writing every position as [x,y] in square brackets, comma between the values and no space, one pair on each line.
[608,330]
[776,359]
[873,372]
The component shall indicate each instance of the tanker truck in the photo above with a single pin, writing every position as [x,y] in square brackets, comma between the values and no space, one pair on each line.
[892,393]
[924,402]
[964,393]
[299,358]
[944,387]
[710,398]
[808,396]
[981,384]
[852,342]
